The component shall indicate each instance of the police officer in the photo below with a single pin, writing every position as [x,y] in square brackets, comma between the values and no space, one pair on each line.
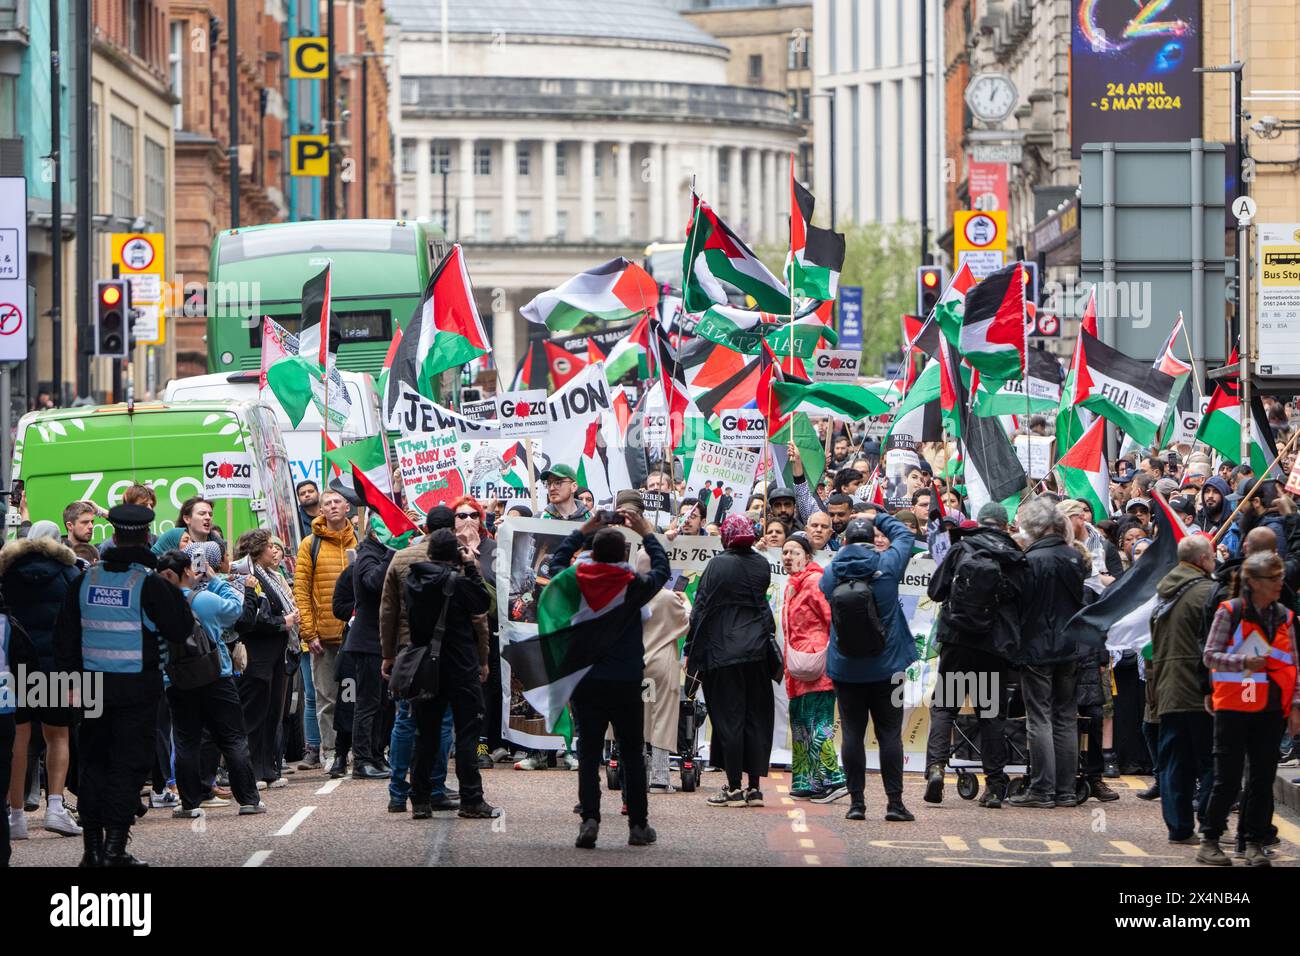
[112,627]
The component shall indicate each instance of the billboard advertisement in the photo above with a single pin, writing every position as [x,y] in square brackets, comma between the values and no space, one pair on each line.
[1132,76]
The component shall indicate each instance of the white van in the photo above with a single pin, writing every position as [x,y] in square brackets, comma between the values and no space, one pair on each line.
[303,443]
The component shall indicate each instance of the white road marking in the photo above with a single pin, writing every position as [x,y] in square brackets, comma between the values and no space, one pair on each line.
[330,787]
[258,858]
[294,821]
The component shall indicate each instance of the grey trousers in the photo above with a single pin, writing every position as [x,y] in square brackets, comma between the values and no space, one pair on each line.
[1052,727]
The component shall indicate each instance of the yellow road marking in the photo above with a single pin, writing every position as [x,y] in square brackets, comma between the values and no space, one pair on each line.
[812,859]
[782,789]
[788,801]
[807,844]
[1286,829]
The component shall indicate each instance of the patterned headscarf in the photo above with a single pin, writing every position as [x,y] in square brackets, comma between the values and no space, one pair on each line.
[737,532]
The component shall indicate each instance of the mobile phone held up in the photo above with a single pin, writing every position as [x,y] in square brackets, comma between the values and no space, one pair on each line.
[611,517]
[199,565]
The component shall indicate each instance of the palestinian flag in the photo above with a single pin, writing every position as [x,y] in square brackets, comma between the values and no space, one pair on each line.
[581,614]
[1072,421]
[949,310]
[561,364]
[382,384]
[450,331]
[1221,427]
[991,469]
[300,370]
[713,255]
[1121,618]
[594,352]
[816,255]
[1039,392]
[369,456]
[617,290]
[919,416]
[922,335]
[1084,471]
[275,346]
[677,397]
[992,335]
[630,354]
[392,526]
[839,400]
[745,331]
[952,394]
[1129,393]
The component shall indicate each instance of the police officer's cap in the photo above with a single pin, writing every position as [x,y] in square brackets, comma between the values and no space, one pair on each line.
[130,517]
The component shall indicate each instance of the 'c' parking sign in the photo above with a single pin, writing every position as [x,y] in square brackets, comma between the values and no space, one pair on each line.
[309,58]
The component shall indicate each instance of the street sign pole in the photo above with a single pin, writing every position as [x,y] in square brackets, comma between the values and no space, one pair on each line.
[1247,336]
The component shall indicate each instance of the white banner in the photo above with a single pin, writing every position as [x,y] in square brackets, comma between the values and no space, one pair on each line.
[742,428]
[721,478]
[523,414]
[431,468]
[228,475]
[836,365]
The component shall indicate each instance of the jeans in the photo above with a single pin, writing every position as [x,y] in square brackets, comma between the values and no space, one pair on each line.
[401,747]
[1239,737]
[465,701]
[859,703]
[600,704]
[216,709]
[310,728]
[323,670]
[1185,756]
[982,672]
[1052,727]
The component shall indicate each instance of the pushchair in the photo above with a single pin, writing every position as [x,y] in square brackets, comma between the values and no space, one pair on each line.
[964,758]
[690,720]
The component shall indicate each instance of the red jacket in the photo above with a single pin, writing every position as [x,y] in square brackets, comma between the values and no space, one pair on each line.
[806,623]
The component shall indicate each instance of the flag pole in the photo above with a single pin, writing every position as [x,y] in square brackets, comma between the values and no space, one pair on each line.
[1024,379]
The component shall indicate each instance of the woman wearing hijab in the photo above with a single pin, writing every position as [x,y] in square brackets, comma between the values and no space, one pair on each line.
[731,645]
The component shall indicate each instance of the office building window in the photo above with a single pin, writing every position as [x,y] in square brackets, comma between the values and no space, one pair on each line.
[8,105]
[483,225]
[832,37]
[756,68]
[524,159]
[562,224]
[798,52]
[441,161]
[561,161]
[805,105]
[598,225]
[482,160]
[176,60]
[524,225]
[123,160]
[409,147]
[597,164]
[855,34]
[155,185]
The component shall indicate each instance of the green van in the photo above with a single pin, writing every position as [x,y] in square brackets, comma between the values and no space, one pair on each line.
[96,452]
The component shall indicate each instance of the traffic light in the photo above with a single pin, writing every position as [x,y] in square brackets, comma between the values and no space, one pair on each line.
[929,286]
[112,326]
[1031,281]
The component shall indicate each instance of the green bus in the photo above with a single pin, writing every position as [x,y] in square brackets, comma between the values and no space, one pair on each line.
[380,269]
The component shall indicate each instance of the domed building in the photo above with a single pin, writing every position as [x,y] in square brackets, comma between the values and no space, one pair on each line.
[551,135]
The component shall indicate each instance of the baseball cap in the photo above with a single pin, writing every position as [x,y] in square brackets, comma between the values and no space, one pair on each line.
[778,493]
[629,499]
[1138,503]
[559,471]
[1183,504]
[993,513]
[860,531]
[1121,477]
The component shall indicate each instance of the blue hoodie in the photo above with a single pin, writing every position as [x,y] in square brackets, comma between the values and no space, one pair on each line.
[854,561]
[217,607]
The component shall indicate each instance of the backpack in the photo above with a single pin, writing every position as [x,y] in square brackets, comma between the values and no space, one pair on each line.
[416,673]
[195,662]
[979,586]
[859,631]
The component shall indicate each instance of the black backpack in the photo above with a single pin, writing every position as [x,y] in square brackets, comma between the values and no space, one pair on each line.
[195,662]
[859,631]
[979,586]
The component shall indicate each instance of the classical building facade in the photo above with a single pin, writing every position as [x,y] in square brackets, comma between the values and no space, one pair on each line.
[551,135]
[867,80]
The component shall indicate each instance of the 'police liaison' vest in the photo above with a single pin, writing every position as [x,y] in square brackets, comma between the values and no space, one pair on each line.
[112,620]
[1234,690]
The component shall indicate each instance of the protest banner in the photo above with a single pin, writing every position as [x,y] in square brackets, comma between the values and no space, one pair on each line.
[721,478]
[431,469]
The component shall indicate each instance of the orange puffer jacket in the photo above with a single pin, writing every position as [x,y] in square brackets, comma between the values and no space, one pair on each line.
[313,586]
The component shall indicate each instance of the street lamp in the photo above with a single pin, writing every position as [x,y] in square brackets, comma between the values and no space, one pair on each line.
[359,59]
[829,95]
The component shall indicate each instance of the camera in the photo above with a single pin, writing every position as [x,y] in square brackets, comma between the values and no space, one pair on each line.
[611,517]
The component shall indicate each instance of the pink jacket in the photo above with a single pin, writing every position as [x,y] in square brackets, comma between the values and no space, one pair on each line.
[806,622]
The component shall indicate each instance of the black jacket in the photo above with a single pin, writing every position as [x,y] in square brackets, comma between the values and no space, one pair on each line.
[1000,546]
[267,639]
[35,574]
[731,622]
[366,575]
[625,659]
[459,657]
[1053,594]
[165,606]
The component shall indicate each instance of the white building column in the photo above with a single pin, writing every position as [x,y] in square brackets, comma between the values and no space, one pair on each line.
[653,179]
[890,174]
[423,178]
[509,189]
[735,188]
[623,197]
[587,185]
[549,225]
[754,193]
[770,179]
[674,216]
[465,214]
[504,352]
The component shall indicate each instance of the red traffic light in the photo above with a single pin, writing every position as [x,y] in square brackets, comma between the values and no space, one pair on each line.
[930,278]
[110,295]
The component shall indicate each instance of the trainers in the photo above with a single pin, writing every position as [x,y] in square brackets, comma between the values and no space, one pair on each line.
[479,811]
[569,759]
[59,820]
[214,802]
[261,785]
[856,812]
[1031,799]
[727,798]
[18,824]
[396,804]
[444,802]
[991,798]
[165,800]
[534,761]
[1101,791]
[662,788]
[1256,855]
[1189,840]
[310,760]
[588,830]
[804,793]
[753,797]
[1109,763]
[934,784]
[421,811]
[248,809]
[833,793]
[485,761]
[181,813]
[220,791]
[1069,800]
[1212,854]
[641,836]
[500,755]
[279,783]
[897,813]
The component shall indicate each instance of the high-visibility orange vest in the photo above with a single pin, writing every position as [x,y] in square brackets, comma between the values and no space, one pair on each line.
[1235,691]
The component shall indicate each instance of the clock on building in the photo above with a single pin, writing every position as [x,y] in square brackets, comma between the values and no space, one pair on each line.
[991,96]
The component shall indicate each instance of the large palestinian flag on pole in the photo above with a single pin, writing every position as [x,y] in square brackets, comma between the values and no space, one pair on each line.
[816,255]
[1084,471]
[1128,392]
[1039,392]
[1221,427]
[630,354]
[612,292]
[839,400]
[299,369]
[992,335]
[744,331]
[714,254]
[1072,421]
[580,616]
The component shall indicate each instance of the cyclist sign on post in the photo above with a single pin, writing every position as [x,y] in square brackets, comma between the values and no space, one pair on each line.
[139,259]
[13,269]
